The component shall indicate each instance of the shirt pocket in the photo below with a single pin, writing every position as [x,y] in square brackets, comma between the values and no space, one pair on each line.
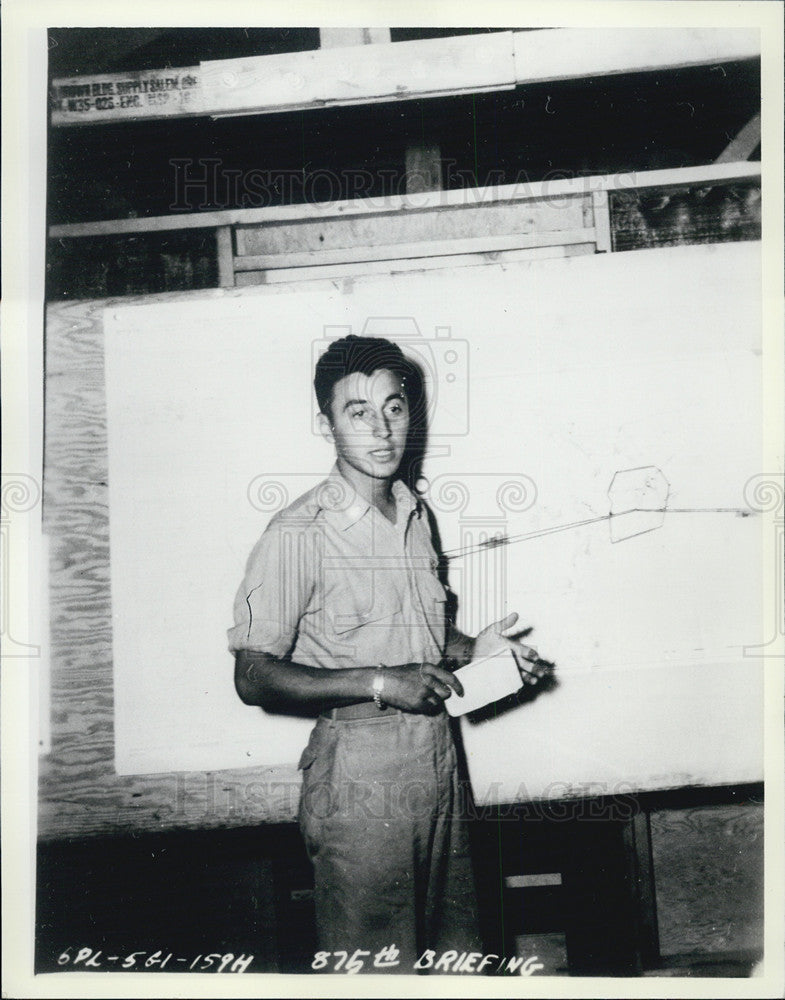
[386,610]
[363,599]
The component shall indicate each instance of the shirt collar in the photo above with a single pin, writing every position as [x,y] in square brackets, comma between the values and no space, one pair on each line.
[342,504]
[406,501]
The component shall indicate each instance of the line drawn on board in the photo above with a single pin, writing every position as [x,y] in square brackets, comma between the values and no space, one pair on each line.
[644,490]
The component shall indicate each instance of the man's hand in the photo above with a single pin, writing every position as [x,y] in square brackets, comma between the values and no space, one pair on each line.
[419,687]
[492,640]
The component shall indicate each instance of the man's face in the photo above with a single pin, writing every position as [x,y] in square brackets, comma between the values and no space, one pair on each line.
[370,423]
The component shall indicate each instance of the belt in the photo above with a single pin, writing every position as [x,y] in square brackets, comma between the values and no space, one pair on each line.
[364,710]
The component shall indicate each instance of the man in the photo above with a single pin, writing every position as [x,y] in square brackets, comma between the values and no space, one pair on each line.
[341,615]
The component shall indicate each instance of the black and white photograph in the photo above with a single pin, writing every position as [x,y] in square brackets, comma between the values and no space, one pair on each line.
[398,482]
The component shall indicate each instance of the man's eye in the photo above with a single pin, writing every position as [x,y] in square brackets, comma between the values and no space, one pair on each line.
[358,413]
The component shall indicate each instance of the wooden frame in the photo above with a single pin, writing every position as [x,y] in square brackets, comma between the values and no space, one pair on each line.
[718,173]
[416,231]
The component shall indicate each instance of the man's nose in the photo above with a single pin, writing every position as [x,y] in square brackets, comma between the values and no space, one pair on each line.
[381,427]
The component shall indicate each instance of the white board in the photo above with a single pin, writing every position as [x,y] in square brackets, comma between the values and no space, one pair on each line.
[552,376]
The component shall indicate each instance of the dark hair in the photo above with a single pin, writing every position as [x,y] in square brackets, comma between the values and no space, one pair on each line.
[356,354]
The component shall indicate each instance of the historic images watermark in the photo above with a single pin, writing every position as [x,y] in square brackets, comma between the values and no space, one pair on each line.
[20,495]
[217,797]
[207,182]
[765,494]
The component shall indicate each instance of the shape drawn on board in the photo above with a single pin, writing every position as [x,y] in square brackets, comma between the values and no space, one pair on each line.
[639,499]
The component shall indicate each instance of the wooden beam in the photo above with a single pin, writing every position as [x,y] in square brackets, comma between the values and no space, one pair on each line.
[423,165]
[640,861]
[426,248]
[496,218]
[710,174]
[602,220]
[742,146]
[324,272]
[364,74]
[336,38]
[223,238]
[573,53]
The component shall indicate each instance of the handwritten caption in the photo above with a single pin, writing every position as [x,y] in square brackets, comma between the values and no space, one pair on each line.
[448,961]
[88,958]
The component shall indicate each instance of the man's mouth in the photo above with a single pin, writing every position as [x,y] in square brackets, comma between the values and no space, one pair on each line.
[383,454]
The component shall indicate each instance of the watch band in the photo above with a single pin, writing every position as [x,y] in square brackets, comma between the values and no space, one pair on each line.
[378,687]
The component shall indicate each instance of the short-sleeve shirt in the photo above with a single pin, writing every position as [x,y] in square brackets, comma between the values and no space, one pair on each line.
[333,583]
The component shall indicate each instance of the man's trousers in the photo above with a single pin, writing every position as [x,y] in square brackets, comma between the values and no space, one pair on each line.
[381,813]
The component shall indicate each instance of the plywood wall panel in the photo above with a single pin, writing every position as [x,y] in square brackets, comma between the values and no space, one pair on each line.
[708,865]
[79,789]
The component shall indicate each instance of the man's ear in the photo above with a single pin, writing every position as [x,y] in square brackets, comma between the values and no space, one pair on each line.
[325,427]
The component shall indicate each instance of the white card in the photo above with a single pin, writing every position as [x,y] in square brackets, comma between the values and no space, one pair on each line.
[485,680]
